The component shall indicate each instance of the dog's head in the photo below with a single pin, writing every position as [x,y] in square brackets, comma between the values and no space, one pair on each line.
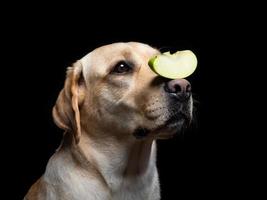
[112,92]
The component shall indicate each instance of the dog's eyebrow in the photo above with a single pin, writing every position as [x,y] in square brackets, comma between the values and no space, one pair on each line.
[127,53]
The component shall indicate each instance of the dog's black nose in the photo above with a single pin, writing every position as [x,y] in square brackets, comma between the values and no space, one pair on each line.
[180,87]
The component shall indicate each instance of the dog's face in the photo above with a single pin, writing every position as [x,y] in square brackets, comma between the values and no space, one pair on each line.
[112,90]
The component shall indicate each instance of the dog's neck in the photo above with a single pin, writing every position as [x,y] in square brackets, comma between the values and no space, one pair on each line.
[117,160]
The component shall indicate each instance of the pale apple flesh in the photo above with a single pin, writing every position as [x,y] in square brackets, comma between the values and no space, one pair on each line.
[174,66]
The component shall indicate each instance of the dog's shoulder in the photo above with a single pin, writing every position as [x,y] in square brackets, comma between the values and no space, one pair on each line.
[37,190]
[72,181]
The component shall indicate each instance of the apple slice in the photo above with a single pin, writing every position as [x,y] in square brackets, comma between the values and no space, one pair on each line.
[174,66]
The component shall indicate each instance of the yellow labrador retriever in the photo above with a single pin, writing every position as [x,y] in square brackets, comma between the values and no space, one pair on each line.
[112,108]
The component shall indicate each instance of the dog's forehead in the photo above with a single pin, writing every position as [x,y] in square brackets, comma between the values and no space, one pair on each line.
[102,55]
[143,48]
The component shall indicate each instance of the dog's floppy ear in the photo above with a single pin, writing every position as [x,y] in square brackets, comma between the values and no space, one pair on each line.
[66,112]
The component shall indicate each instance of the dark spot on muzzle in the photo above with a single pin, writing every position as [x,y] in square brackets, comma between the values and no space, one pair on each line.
[140,133]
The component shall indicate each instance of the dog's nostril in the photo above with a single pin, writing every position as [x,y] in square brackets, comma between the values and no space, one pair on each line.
[177,88]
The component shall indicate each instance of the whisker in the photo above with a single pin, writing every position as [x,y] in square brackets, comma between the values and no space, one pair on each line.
[195,98]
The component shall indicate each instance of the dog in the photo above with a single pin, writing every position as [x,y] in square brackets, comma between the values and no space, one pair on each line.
[113,108]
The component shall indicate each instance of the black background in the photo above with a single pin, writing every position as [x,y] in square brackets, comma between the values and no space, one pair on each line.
[43,41]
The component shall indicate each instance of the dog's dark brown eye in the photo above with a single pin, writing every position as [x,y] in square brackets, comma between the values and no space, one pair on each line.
[121,68]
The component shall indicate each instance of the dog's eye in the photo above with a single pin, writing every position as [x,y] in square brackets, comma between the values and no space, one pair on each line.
[121,68]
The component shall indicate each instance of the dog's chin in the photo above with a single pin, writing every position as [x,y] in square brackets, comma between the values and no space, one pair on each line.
[171,129]
[176,124]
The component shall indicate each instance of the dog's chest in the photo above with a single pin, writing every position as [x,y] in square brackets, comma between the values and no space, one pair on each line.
[145,187]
